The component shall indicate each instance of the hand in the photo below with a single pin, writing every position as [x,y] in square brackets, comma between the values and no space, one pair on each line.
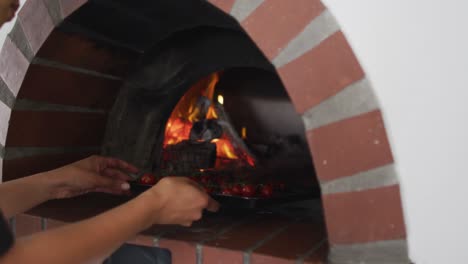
[93,174]
[8,10]
[179,200]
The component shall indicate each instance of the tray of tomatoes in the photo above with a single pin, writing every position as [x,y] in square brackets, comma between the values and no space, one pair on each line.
[236,194]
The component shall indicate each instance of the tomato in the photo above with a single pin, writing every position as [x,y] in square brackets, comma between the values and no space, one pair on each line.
[148,179]
[220,181]
[248,190]
[266,191]
[236,189]
[205,180]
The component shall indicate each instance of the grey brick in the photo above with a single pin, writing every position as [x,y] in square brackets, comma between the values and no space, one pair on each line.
[6,95]
[381,252]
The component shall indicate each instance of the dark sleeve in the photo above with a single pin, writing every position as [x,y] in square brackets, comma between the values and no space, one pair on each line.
[6,237]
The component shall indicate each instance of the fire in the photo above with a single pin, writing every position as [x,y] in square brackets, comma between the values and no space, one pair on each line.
[244,132]
[177,129]
[224,149]
[197,105]
[220,99]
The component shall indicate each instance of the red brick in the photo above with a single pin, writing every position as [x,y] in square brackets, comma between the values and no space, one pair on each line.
[36,22]
[276,22]
[319,256]
[16,168]
[248,234]
[225,5]
[182,252]
[214,255]
[58,86]
[84,53]
[70,6]
[13,66]
[350,146]
[55,129]
[206,229]
[27,225]
[234,242]
[266,259]
[321,72]
[299,237]
[360,217]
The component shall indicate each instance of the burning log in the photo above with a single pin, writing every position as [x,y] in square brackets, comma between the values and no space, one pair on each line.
[200,110]
[199,131]
[206,130]
[187,156]
[242,151]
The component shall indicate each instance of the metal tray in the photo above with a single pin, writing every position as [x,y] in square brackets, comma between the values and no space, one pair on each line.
[246,202]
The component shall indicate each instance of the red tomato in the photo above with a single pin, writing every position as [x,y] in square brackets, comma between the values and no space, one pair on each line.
[205,179]
[266,191]
[148,179]
[236,189]
[220,181]
[248,190]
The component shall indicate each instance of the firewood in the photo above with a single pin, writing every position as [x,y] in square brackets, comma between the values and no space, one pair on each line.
[224,121]
[187,157]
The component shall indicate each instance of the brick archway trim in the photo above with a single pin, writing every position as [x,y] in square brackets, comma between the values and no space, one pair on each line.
[328,87]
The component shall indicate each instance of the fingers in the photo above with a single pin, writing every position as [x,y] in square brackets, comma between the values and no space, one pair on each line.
[120,164]
[117,174]
[213,206]
[113,191]
[111,185]
[194,184]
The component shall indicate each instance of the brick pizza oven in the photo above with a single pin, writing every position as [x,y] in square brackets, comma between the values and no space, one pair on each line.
[69,77]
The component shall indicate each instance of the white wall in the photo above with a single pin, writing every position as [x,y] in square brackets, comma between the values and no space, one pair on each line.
[4,31]
[416,55]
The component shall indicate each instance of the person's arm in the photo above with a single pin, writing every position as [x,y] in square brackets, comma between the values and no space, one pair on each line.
[20,195]
[171,201]
[91,174]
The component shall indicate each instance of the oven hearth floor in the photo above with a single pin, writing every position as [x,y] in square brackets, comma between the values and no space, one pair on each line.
[283,234]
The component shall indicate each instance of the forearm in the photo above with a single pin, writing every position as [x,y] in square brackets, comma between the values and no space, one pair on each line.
[85,241]
[23,194]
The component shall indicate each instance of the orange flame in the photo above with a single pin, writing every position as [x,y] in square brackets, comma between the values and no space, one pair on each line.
[224,149]
[186,113]
[177,130]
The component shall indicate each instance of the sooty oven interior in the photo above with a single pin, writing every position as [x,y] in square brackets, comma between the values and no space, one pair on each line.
[204,102]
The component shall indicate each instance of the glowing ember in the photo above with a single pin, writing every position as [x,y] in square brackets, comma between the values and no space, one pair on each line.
[177,130]
[224,149]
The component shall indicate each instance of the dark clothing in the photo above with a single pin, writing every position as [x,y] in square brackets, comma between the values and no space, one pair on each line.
[6,237]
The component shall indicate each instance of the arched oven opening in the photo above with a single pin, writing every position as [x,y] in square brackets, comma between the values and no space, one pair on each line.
[205,103]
